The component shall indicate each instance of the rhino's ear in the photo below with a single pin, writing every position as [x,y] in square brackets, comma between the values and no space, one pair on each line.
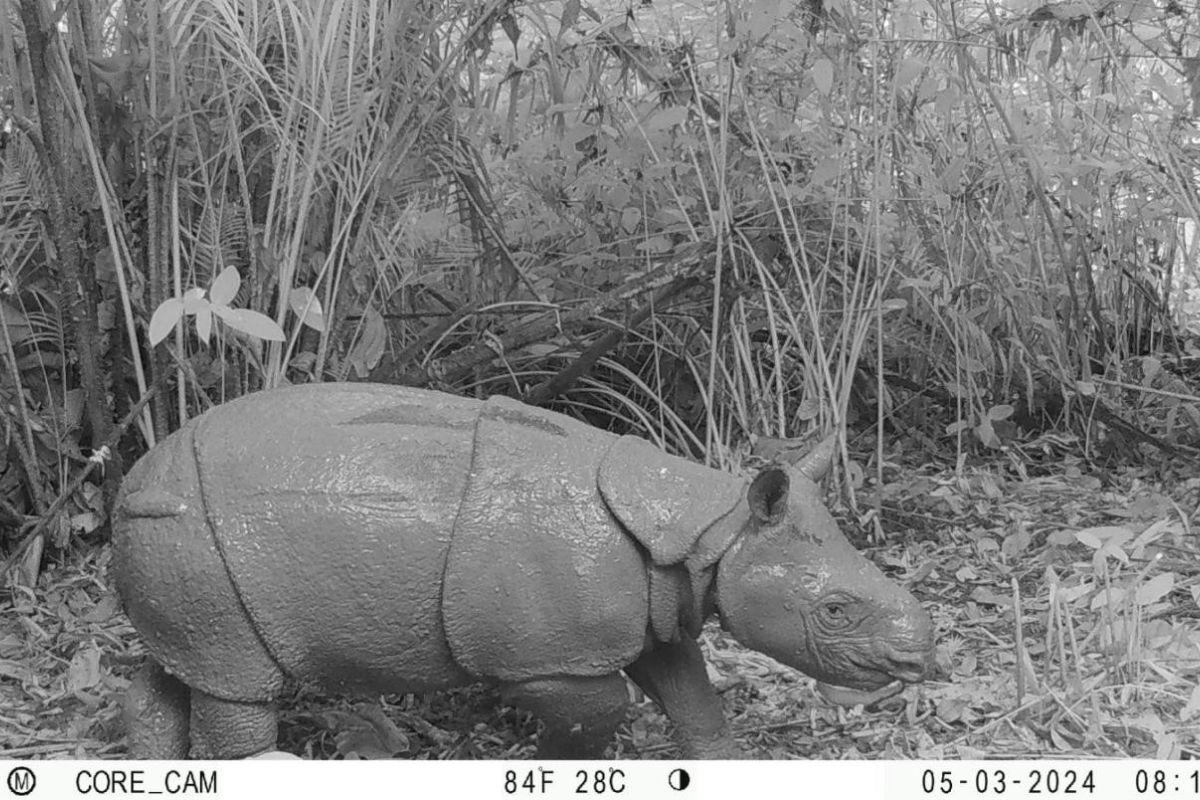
[816,463]
[767,495]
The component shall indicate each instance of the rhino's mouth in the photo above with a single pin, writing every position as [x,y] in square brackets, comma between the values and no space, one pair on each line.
[868,681]
[885,665]
[845,696]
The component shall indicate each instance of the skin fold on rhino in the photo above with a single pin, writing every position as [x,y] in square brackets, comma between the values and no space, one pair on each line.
[370,539]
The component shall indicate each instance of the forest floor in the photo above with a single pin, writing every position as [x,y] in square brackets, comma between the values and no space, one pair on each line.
[1104,572]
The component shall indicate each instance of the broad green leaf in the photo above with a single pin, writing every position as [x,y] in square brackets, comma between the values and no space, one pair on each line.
[1104,534]
[1060,538]
[541,349]
[307,307]
[1147,32]
[570,15]
[509,23]
[1112,597]
[1156,588]
[225,287]
[1109,550]
[655,244]
[987,434]
[669,217]
[204,323]
[1154,532]
[253,323]
[987,596]
[369,347]
[1070,594]
[165,318]
[999,412]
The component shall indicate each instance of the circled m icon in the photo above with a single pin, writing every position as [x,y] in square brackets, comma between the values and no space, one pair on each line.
[21,781]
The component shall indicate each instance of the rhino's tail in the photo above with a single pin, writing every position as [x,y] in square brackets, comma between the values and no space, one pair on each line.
[157,712]
[152,503]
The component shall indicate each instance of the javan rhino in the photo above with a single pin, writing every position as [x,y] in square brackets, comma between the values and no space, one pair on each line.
[363,538]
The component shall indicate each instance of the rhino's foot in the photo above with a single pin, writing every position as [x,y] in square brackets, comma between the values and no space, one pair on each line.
[579,715]
[674,676]
[156,714]
[720,747]
[226,729]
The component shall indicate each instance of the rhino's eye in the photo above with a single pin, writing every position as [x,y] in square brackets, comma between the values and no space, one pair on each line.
[836,612]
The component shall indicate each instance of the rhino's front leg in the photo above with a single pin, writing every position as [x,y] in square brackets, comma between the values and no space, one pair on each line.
[675,677]
[225,729]
[580,715]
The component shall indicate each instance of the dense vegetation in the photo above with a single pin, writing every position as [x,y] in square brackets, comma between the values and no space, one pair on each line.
[962,233]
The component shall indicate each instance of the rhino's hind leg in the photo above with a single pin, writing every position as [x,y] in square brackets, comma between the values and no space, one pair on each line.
[580,715]
[227,729]
[156,714]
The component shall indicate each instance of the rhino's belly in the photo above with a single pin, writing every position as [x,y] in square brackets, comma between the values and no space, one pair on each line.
[360,613]
[333,513]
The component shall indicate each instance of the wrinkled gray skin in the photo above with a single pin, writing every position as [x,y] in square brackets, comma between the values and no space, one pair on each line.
[370,539]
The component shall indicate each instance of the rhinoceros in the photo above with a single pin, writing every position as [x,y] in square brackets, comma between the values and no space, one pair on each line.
[357,538]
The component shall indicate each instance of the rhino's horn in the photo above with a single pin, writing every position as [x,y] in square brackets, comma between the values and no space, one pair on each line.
[816,462]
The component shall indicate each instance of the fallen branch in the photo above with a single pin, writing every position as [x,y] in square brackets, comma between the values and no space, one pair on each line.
[565,378]
[460,364]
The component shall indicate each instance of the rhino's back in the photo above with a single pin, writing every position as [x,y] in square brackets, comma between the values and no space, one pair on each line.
[332,507]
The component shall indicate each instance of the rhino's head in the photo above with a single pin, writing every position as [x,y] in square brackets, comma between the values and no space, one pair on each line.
[794,588]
